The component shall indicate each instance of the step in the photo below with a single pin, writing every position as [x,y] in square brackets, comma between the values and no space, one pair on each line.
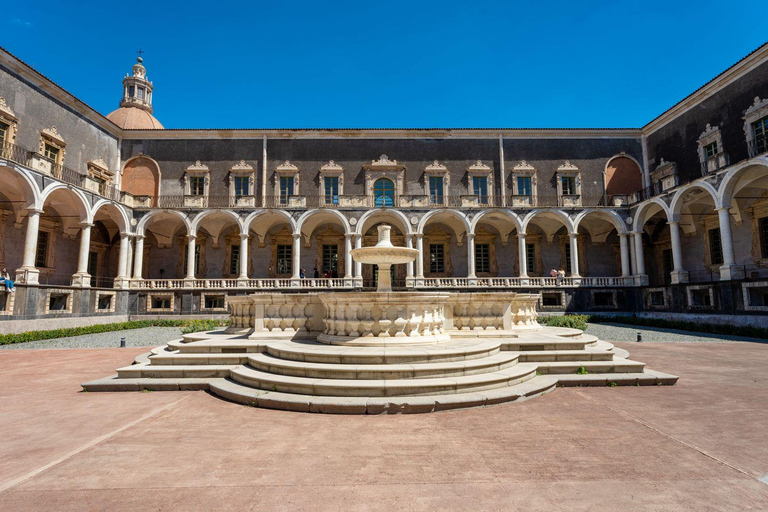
[568,367]
[114,383]
[205,358]
[530,356]
[647,378]
[541,344]
[218,346]
[454,350]
[380,387]
[270,364]
[137,371]
[239,393]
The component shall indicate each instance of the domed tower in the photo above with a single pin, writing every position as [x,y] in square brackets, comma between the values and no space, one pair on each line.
[135,112]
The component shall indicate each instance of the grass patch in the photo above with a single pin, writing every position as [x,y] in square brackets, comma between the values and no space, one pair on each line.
[580,322]
[186,326]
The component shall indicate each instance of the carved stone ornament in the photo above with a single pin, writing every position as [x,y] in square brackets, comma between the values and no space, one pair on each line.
[756,106]
[479,168]
[524,167]
[99,169]
[287,168]
[331,167]
[436,168]
[567,167]
[6,111]
[241,167]
[53,134]
[709,131]
[198,167]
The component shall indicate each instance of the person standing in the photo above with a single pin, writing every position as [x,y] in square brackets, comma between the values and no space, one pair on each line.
[303,274]
[316,274]
[560,276]
[5,278]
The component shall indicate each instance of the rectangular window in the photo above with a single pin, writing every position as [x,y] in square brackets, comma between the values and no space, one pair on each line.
[760,134]
[331,189]
[482,258]
[286,188]
[435,190]
[41,256]
[51,152]
[436,258]
[524,186]
[214,302]
[131,90]
[197,186]
[656,298]
[161,302]
[568,257]
[551,299]
[197,259]
[569,185]
[763,230]
[234,261]
[667,265]
[480,187]
[141,93]
[530,257]
[3,132]
[715,247]
[710,150]
[331,260]
[241,186]
[285,259]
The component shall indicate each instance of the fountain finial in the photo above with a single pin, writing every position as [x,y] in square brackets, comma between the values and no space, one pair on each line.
[384,236]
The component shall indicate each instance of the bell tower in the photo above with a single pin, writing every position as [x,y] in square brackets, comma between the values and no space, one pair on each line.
[137,89]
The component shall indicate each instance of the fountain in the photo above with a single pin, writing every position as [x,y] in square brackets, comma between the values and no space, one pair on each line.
[384,255]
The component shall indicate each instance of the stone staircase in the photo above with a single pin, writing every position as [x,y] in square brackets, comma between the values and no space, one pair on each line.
[472,369]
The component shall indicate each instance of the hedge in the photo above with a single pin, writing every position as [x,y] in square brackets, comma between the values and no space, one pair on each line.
[580,322]
[186,326]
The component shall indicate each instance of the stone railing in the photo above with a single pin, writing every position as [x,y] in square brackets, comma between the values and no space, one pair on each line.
[492,311]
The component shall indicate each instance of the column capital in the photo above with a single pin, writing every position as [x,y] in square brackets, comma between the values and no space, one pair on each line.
[573,234]
[32,210]
[124,235]
[521,234]
[244,235]
[140,237]
[86,224]
[349,235]
[675,222]
[191,238]
[296,235]
[726,209]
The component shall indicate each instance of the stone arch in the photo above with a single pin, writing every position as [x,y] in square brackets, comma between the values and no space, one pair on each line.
[610,216]
[123,220]
[142,226]
[450,213]
[246,224]
[551,213]
[512,216]
[727,189]
[623,175]
[397,215]
[28,191]
[676,205]
[141,177]
[308,216]
[200,217]
[81,201]
[647,210]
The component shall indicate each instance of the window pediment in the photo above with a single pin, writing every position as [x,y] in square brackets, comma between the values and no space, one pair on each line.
[524,168]
[286,168]
[664,169]
[52,135]
[6,113]
[479,169]
[331,168]
[241,169]
[567,168]
[384,164]
[99,170]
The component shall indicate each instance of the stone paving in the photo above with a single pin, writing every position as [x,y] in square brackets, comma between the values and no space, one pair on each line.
[133,338]
[700,445]
[623,332]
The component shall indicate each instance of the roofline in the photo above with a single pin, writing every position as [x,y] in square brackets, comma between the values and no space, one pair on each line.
[50,87]
[746,64]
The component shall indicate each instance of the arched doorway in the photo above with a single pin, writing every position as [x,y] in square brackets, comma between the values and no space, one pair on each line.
[141,178]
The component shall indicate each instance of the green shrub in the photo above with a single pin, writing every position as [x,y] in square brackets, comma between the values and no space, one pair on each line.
[569,321]
[582,371]
[750,331]
[186,326]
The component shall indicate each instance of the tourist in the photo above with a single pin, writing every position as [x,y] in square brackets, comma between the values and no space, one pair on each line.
[560,276]
[302,274]
[316,273]
[553,272]
[5,278]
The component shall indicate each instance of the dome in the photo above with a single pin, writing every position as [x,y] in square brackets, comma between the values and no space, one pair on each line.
[132,118]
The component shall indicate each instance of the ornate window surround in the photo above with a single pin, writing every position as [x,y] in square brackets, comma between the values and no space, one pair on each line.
[385,168]
[241,169]
[708,136]
[183,243]
[8,117]
[331,170]
[707,224]
[568,170]
[479,169]
[287,169]
[197,170]
[524,169]
[665,175]
[330,236]
[99,170]
[52,137]
[535,240]
[484,236]
[435,235]
[230,240]
[51,227]
[283,236]
[756,111]
[437,170]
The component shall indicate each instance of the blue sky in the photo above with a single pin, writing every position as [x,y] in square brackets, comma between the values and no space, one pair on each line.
[388,64]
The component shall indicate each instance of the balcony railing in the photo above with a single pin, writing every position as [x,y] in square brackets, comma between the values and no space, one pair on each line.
[15,153]
[714,163]
[757,146]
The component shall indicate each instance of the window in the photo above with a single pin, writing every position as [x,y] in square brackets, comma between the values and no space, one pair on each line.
[604,299]
[331,189]
[710,150]
[435,190]
[436,258]
[480,188]
[331,259]
[197,259]
[241,186]
[569,185]
[234,261]
[131,90]
[551,299]
[384,192]
[567,257]
[104,302]
[4,129]
[483,258]
[656,298]
[141,93]
[214,302]
[51,152]
[58,302]
[763,231]
[524,186]
[530,257]
[667,265]
[196,186]
[286,188]
[161,302]
[715,247]
[760,134]
[285,259]
[41,256]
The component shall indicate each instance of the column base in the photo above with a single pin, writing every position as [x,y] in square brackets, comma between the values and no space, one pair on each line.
[576,280]
[641,280]
[410,282]
[122,283]
[472,280]
[242,282]
[27,275]
[679,276]
[81,280]
[358,282]
[189,282]
[349,282]
[731,272]
[295,282]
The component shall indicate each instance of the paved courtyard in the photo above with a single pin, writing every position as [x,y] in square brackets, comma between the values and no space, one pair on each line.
[699,445]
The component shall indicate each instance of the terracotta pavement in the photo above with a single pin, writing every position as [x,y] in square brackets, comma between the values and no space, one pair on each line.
[700,445]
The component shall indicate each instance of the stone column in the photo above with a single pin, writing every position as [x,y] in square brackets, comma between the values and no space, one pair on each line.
[640,257]
[471,256]
[129,261]
[678,274]
[243,277]
[81,278]
[420,259]
[121,281]
[190,257]
[348,260]
[574,254]
[632,254]
[358,265]
[28,273]
[728,270]
[522,256]
[296,263]
[138,259]
[409,281]
[624,250]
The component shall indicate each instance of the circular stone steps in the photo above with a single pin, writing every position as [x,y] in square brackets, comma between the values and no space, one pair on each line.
[380,387]
[267,363]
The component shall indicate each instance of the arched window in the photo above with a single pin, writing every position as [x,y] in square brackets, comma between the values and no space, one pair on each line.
[384,192]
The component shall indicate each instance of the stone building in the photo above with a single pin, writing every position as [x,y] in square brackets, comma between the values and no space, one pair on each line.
[115,216]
